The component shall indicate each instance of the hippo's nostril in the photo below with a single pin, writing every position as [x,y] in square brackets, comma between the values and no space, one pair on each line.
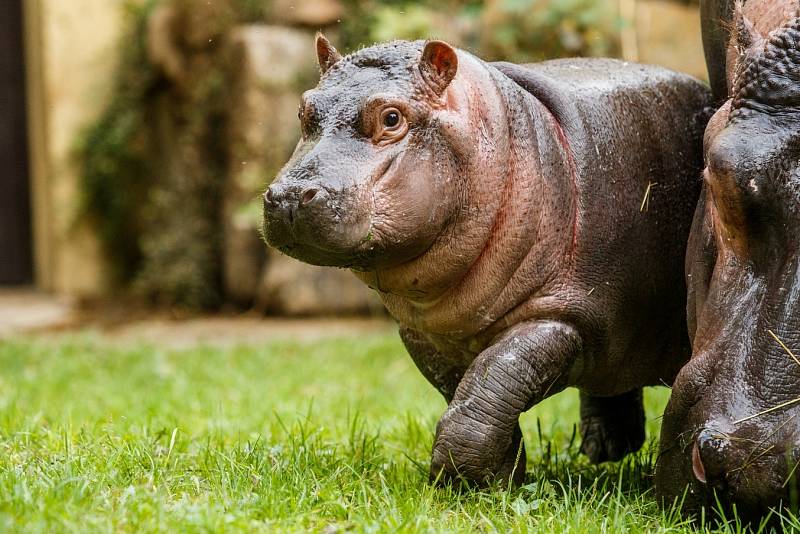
[307,196]
[710,458]
[698,468]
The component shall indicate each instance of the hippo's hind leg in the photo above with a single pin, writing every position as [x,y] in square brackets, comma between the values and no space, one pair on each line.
[478,438]
[611,427]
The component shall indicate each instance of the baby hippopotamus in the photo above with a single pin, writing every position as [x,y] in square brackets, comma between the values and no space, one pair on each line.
[525,225]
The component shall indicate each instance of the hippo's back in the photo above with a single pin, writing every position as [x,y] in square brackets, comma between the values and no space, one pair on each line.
[635,134]
[628,126]
[589,96]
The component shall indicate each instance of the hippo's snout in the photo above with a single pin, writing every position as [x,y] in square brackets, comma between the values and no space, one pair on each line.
[741,468]
[708,458]
[279,213]
[295,212]
[290,201]
[315,221]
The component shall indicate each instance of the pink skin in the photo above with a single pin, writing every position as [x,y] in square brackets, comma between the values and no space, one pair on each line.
[519,251]
[491,253]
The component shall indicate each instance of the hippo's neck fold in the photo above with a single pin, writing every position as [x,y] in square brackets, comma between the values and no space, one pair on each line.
[513,230]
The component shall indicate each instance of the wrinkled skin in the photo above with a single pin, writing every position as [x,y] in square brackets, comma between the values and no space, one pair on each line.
[732,425]
[498,210]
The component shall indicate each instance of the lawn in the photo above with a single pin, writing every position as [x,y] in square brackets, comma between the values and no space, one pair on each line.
[331,435]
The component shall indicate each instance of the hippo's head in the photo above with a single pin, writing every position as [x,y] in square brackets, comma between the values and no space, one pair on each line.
[732,426]
[374,179]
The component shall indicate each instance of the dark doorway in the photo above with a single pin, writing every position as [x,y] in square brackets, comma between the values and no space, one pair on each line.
[16,264]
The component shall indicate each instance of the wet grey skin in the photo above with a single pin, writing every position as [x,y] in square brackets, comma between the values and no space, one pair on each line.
[525,225]
[731,431]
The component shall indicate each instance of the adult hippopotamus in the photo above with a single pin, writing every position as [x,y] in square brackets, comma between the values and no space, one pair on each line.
[732,425]
[525,225]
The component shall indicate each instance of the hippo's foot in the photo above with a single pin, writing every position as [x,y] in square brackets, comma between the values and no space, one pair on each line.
[492,462]
[513,468]
[611,427]
[478,438]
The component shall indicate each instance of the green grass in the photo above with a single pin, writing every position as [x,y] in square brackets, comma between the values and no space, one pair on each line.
[327,436]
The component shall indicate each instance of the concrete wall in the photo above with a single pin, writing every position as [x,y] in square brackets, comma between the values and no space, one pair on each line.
[70,55]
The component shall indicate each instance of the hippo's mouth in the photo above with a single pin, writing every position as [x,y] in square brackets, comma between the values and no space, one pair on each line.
[703,472]
[324,242]
[324,257]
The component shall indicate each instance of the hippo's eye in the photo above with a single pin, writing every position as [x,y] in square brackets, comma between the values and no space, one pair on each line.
[391,119]
[392,127]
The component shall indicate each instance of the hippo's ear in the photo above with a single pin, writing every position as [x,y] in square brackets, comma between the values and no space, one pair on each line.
[438,65]
[793,12]
[327,55]
[746,34]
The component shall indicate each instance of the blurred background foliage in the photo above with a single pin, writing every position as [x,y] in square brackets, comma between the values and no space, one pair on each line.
[510,30]
[156,201]
[153,165]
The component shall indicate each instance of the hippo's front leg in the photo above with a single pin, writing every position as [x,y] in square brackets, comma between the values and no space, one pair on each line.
[478,437]
[442,372]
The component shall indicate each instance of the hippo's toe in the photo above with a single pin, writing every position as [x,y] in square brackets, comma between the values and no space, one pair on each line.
[462,458]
